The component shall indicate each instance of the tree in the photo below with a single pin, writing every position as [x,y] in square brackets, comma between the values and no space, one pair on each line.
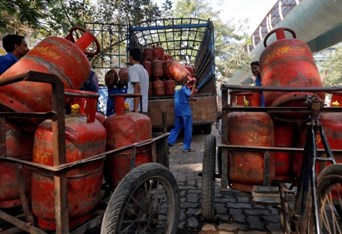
[230,54]
[55,17]
[332,69]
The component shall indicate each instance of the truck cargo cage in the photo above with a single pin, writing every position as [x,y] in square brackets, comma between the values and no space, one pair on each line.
[188,40]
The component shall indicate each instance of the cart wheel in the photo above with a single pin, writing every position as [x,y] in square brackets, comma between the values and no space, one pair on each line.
[145,201]
[208,178]
[330,199]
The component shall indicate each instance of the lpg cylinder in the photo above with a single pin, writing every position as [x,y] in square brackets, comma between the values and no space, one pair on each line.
[123,77]
[178,71]
[247,168]
[169,86]
[150,88]
[166,68]
[244,98]
[124,129]
[336,100]
[157,66]
[54,55]
[148,53]
[288,63]
[148,66]
[158,53]
[283,137]
[19,144]
[158,87]
[332,126]
[83,140]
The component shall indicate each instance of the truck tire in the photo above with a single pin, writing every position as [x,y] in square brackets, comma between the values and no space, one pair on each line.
[208,178]
[146,200]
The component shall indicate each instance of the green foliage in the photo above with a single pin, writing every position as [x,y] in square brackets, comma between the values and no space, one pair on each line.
[229,51]
[56,17]
[332,69]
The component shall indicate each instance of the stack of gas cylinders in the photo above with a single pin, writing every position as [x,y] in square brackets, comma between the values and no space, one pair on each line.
[86,134]
[287,62]
[163,71]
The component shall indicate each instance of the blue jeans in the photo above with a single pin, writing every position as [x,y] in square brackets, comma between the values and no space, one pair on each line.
[180,122]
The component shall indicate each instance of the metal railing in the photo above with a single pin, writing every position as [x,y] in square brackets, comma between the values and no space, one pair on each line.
[278,12]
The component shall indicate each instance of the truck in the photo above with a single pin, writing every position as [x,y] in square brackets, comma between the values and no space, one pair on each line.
[190,41]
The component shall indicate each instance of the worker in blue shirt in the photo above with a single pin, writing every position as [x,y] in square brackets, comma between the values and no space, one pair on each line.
[255,67]
[16,47]
[183,116]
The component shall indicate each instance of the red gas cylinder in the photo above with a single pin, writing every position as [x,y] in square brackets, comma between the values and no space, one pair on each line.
[158,53]
[169,86]
[157,69]
[52,55]
[148,66]
[125,129]
[158,87]
[100,117]
[166,68]
[148,54]
[178,71]
[247,168]
[150,88]
[288,63]
[191,69]
[332,126]
[244,98]
[283,137]
[19,144]
[123,75]
[336,100]
[168,57]
[83,139]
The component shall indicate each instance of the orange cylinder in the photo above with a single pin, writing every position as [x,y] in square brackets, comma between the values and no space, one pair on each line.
[247,168]
[157,66]
[52,55]
[83,139]
[283,137]
[158,53]
[150,88]
[148,66]
[166,68]
[158,88]
[288,63]
[148,54]
[178,71]
[123,75]
[336,98]
[332,125]
[125,129]
[19,144]
[169,86]
[243,98]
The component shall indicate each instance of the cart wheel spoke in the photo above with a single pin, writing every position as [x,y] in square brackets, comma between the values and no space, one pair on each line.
[329,195]
[145,201]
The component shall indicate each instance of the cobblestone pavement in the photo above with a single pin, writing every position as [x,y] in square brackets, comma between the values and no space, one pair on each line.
[234,210]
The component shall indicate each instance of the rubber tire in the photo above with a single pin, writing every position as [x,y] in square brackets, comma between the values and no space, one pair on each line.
[208,178]
[330,175]
[115,209]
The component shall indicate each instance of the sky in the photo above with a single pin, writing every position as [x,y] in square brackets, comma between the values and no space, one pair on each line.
[239,10]
[253,10]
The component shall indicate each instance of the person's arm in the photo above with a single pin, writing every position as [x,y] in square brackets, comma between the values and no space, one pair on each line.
[137,99]
[193,90]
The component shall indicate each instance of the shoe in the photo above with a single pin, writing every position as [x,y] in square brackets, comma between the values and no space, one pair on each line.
[188,150]
[169,145]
